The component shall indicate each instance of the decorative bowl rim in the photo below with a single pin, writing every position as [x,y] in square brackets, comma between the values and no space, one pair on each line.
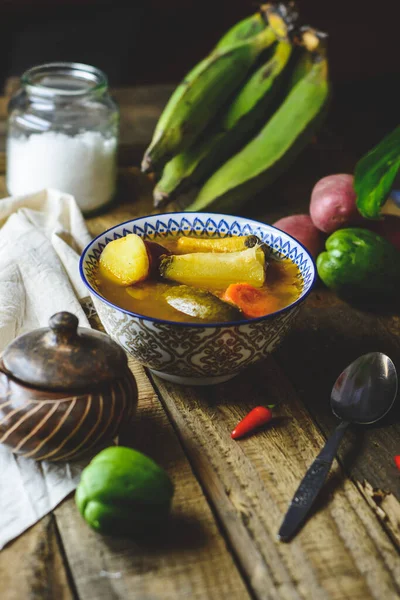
[272,315]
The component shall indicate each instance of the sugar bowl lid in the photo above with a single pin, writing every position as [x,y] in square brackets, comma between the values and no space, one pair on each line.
[63,356]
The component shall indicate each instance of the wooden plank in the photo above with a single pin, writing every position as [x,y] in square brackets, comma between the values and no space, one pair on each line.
[287,195]
[386,508]
[32,566]
[140,108]
[330,333]
[189,559]
[11,86]
[3,189]
[327,336]
[342,552]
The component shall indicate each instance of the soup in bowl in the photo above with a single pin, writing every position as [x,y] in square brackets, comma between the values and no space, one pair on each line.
[197,297]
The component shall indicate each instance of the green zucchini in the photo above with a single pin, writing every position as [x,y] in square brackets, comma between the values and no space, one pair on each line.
[233,243]
[270,152]
[216,270]
[200,304]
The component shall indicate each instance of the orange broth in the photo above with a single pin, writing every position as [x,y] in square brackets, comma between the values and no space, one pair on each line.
[283,282]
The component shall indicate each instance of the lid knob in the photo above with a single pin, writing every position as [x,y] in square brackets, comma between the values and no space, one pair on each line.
[64,357]
[64,326]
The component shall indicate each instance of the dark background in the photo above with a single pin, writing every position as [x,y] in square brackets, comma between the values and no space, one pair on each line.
[157,41]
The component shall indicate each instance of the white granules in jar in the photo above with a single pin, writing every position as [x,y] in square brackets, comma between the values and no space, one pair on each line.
[83,165]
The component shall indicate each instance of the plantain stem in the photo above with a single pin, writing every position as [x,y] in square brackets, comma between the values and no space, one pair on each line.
[282,17]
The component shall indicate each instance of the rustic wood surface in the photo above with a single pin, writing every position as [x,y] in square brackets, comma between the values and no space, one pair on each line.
[231,496]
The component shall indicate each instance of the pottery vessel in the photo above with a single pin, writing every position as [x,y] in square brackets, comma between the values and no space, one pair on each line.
[64,391]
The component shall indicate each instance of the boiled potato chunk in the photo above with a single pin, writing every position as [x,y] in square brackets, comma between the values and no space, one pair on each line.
[126,260]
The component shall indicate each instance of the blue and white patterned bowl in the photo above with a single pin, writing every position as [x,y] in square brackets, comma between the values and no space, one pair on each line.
[197,354]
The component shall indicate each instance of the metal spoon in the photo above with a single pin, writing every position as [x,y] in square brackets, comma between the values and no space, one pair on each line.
[363,394]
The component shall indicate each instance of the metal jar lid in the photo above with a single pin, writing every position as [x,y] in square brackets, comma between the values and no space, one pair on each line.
[63,356]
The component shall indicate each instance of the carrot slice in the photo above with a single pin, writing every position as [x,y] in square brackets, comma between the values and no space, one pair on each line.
[253,302]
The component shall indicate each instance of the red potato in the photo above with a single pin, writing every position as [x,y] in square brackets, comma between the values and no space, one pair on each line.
[303,229]
[333,203]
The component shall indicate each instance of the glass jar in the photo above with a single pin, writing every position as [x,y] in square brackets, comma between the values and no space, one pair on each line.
[63,134]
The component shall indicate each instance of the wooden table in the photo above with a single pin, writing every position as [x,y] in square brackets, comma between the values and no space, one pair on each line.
[231,496]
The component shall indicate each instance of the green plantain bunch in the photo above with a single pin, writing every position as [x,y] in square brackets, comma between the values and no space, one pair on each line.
[242,115]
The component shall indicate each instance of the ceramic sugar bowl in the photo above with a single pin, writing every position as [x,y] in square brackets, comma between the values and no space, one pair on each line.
[64,391]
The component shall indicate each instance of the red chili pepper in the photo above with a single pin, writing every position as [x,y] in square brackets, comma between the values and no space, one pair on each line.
[253,420]
[397,461]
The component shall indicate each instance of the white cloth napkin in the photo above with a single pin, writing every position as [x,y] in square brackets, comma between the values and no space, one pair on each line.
[41,238]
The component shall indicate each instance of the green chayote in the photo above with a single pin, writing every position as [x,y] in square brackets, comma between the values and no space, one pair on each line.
[360,264]
[123,491]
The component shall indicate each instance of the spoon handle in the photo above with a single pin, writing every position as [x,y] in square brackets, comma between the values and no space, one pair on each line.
[311,485]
